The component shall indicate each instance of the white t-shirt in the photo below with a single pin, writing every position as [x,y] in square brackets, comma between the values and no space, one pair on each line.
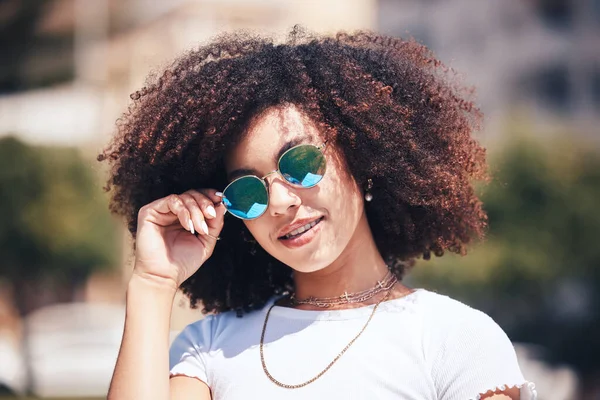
[423,346]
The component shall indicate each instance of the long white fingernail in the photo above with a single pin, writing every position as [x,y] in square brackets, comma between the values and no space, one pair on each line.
[204,227]
[220,194]
[191,225]
[210,210]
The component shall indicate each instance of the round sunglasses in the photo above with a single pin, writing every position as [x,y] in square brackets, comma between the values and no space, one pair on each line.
[247,197]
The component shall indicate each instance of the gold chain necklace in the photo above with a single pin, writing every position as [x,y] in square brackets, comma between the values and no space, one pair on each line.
[386,283]
[320,374]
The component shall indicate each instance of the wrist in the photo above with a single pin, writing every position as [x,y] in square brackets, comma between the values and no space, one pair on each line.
[155,284]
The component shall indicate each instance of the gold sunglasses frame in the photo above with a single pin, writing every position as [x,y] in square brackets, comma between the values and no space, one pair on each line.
[320,148]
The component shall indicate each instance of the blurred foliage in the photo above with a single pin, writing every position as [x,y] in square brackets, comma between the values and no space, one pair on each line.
[538,272]
[55,222]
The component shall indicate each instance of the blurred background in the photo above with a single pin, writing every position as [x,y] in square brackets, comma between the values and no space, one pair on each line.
[67,68]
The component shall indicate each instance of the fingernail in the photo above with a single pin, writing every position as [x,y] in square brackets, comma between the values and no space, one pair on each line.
[191,225]
[204,227]
[210,210]
[220,194]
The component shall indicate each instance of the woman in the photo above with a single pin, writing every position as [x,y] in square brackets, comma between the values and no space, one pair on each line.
[287,187]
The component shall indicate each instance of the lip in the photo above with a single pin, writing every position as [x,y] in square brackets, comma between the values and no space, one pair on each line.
[295,225]
[305,237]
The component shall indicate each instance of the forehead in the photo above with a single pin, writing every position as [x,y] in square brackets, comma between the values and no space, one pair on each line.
[268,133]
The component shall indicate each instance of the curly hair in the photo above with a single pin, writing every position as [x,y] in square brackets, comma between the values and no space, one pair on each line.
[397,114]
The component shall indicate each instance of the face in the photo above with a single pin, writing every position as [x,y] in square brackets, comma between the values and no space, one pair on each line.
[330,211]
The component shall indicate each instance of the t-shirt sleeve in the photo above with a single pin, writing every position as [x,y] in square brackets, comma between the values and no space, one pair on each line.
[476,356]
[187,355]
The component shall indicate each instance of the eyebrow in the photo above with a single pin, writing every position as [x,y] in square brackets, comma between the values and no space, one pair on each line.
[250,171]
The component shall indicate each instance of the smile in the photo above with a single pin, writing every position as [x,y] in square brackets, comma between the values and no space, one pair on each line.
[298,232]
[302,235]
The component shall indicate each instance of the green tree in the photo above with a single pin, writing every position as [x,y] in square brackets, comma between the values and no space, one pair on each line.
[55,228]
[538,272]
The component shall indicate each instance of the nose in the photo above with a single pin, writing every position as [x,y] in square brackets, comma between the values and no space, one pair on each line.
[282,197]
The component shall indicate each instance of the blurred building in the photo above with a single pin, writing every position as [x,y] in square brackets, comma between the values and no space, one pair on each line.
[72,348]
[71,65]
[541,55]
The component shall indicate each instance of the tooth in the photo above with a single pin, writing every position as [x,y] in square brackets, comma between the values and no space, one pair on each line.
[302,229]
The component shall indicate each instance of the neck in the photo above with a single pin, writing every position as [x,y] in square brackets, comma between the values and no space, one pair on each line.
[358,268]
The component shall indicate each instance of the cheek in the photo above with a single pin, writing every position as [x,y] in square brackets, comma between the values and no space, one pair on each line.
[341,190]
[346,206]
[343,200]
[259,228]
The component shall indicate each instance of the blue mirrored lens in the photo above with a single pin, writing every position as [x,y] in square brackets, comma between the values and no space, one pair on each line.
[246,197]
[303,165]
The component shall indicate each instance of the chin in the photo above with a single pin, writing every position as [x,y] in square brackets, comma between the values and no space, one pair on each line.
[308,268]
[312,261]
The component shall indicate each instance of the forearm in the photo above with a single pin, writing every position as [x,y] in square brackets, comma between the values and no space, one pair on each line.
[142,369]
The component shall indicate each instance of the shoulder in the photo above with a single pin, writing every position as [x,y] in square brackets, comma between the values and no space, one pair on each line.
[452,329]
[437,303]
[441,312]
[468,352]
[195,337]
[193,347]
[214,328]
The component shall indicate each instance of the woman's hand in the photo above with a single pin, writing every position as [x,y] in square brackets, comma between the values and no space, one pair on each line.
[167,248]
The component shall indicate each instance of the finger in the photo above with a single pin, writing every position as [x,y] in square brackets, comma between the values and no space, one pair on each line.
[163,212]
[196,214]
[213,212]
[163,205]
[206,205]
[214,195]
[177,206]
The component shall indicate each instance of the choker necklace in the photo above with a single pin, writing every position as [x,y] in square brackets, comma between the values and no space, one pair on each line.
[348,298]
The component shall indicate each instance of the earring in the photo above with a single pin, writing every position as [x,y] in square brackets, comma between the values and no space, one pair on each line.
[368,195]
